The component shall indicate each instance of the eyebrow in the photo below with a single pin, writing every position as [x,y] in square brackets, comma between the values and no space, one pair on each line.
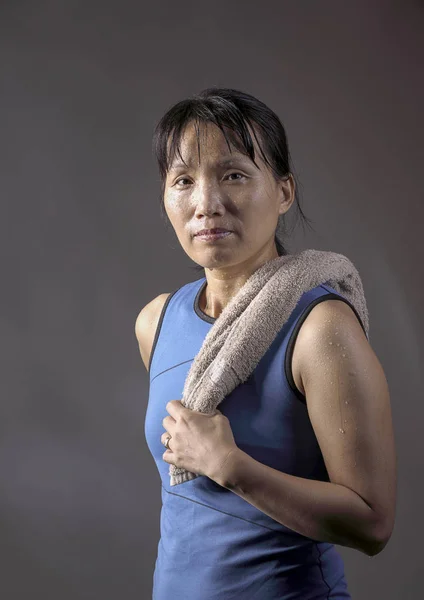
[221,163]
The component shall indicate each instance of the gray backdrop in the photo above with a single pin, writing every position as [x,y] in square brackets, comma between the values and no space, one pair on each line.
[84,249]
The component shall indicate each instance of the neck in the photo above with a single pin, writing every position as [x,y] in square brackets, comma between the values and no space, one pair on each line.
[222,286]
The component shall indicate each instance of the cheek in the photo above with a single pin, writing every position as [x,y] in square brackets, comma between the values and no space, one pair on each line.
[175,213]
[175,204]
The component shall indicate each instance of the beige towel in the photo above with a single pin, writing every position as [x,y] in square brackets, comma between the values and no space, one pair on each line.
[247,326]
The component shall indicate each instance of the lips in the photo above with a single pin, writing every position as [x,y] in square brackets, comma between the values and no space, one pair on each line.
[212,231]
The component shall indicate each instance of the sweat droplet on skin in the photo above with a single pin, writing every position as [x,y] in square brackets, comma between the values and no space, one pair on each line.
[338,396]
[331,343]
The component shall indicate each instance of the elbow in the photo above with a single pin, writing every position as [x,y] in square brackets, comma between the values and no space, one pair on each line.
[375,547]
[378,542]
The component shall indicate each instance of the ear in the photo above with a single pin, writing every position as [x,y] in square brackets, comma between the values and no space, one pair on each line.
[287,191]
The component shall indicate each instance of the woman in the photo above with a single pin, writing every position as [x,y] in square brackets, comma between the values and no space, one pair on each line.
[291,463]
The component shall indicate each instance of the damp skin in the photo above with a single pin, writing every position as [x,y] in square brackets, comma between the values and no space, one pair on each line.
[345,390]
[344,381]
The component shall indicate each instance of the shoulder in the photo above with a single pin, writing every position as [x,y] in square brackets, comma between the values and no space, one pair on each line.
[149,312]
[146,324]
[329,323]
[330,316]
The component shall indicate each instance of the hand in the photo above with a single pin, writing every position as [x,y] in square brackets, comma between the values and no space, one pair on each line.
[200,443]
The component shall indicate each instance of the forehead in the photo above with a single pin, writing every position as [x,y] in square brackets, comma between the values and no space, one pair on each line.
[227,161]
[208,141]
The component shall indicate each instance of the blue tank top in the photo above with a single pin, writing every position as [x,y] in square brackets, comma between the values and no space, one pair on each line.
[213,544]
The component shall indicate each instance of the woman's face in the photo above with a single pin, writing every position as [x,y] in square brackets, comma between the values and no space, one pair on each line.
[225,190]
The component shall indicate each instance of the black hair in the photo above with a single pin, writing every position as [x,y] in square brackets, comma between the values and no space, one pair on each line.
[234,110]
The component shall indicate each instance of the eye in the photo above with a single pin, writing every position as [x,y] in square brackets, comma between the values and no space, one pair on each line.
[181,179]
[235,173]
[229,174]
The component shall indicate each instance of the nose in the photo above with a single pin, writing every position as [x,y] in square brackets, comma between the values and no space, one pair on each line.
[208,200]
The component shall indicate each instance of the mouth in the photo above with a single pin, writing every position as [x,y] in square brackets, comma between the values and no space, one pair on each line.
[210,237]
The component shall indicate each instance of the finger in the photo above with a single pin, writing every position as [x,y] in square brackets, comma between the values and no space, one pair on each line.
[172,407]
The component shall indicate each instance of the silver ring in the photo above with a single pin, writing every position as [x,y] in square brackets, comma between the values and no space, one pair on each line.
[167,442]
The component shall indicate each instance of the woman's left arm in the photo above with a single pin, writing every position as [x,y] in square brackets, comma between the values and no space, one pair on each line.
[348,403]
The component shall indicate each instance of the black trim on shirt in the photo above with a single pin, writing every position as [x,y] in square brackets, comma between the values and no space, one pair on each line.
[159,325]
[199,312]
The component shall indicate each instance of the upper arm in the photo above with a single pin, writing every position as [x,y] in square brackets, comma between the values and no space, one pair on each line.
[346,389]
[146,325]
